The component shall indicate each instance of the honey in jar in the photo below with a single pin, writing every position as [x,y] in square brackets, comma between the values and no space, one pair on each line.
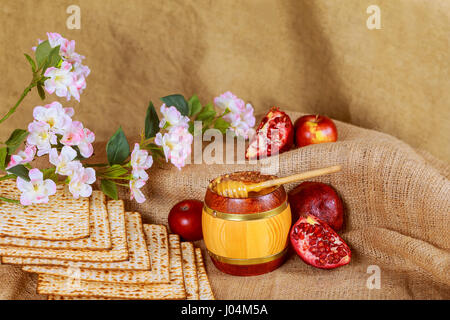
[246,236]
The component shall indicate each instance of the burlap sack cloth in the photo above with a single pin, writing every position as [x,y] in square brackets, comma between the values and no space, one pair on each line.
[397,218]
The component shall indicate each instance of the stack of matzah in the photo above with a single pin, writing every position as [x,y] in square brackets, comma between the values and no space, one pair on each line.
[93,249]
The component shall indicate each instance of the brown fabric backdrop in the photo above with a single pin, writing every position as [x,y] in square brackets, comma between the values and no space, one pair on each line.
[309,56]
[397,218]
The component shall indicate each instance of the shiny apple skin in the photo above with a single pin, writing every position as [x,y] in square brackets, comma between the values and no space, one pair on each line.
[185,219]
[314,129]
[318,199]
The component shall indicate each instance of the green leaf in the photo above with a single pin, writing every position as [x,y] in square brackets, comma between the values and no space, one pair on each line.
[31,62]
[117,148]
[49,173]
[116,170]
[194,105]
[42,52]
[41,91]
[20,171]
[53,59]
[191,127]
[3,154]
[16,139]
[221,125]
[109,188]
[178,101]
[207,114]
[151,122]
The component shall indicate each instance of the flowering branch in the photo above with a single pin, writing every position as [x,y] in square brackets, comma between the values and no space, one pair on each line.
[58,69]
[13,109]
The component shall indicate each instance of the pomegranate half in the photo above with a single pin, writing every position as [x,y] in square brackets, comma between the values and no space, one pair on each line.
[275,134]
[319,245]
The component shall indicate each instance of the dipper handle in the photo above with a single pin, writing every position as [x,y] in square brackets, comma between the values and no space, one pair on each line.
[293,178]
[238,189]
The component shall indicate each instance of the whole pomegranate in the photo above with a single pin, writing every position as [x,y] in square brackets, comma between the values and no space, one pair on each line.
[319,245]
[185,219]
[275,134]
[319,199]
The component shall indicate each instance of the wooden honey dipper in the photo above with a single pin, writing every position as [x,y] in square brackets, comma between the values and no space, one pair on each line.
[239,189]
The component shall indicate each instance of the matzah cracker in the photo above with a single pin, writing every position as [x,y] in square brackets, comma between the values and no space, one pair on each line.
[118,252]
[100,236]
[158,248]
[55,285]
[52,297]
[206,292]
[189,271]
[62,218]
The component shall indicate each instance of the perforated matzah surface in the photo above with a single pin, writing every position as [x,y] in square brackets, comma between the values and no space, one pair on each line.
[189,271]
[118,252]
[55,285]
[62,218]
[205,289]
[158,248]
[99,237]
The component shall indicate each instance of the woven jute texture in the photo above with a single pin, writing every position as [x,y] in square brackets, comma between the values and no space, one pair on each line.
[397,220]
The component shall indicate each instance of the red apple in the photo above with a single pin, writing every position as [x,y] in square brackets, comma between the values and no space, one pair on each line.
[313,129]
[185,219]
[275,134]
[318,199]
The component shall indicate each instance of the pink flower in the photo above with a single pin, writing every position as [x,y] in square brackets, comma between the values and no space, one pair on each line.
[81,137]
[136,193]
[62,81]
[22,157]
[68,80]
[66,49]
[55,39]
[64,162]
[172,118]
[41,137]
[243,122]
[36,190]
[57,117]
[80,182]
[176,145]
[237,113]
[140,161]
[229,101]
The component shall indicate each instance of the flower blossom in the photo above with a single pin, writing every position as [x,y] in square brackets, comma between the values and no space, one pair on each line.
[69,79]
[237,113]
[63,82]
[80,182]
[81,137]
[36,190]
[22,157]
[57,117]
[135,188]
[41,136]
[140,161]
[172,118]
[176,145]
[64,162]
